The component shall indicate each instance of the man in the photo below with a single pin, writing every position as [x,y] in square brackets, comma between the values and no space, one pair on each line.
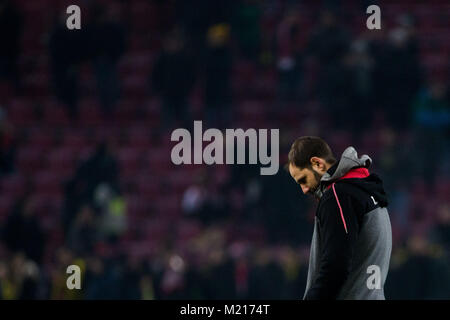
[352,239]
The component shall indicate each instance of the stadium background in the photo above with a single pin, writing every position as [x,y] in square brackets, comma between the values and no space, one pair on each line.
[86,118]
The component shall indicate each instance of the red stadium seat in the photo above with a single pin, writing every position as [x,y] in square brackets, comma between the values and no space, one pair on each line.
[75,139]
[41,137]
[21,112]
[139,138]
[6,206]
[56,114]
[30,159]
[90,113]
[63,161]
[14,186]
[129,160]
[48,182]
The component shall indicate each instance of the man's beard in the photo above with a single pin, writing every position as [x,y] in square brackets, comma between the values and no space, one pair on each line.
[312,191]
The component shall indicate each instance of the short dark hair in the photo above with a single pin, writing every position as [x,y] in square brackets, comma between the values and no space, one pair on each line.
[304,148]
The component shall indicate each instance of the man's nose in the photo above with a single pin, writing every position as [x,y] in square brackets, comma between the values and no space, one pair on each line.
[305,189]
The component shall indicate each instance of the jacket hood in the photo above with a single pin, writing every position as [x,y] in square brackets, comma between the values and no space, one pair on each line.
[349,161]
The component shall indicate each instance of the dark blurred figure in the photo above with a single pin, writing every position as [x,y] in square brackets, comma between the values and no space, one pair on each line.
[64,257]
[290,57]
[103,279]
[422,274]
[11,23]
[7,144]
[431,120]
[246,28]
[329,44]
[131,279]
[392,159]
[208,205]
[108,43]
[193,16]
[112,213]
[397,73]
[23,232]
[197,15]
[147,287]
[67,49]
[266,279]
[357,91]
[219,278]
[19,279]
[82,235]
[218,65]
[441,231]
[96,279]
[173,78]
[101,167]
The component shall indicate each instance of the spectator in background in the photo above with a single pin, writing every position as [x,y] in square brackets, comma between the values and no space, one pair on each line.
[329,44]
[64,257]
[357,93]
[199,202]
[431,112]
[100,168]
[107,42]
[218,65]
[295,267]
[4,278]
[392,158]
[290,57]
[11,24]
[113,218]
[441,231]
[7,145]
[173,78]
[19,280]
[131,279]
[329,41]
[195,197]
[67,48]
[194,18]
[82,235]
[103,279]
[266,277]
[397,74]
[95,280]
[246,28]
[422,274]
[146,286]
[220,275]
[197,16]
[23,232]
[432,109]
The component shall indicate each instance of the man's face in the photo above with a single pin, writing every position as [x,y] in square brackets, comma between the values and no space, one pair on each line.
[307,178]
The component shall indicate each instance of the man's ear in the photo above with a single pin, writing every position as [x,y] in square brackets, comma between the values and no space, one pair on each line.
[318,163]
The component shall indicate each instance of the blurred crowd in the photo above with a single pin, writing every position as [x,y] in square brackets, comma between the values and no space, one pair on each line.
[239,235]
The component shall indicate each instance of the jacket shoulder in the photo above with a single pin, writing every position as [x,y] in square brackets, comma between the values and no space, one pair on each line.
[358,199]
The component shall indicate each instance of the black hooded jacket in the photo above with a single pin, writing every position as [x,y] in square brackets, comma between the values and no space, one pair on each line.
[352,232]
